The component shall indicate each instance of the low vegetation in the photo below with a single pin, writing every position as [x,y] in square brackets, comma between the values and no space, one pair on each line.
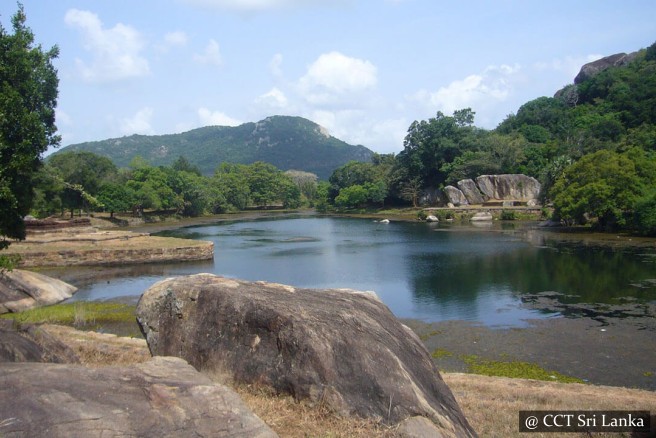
[110,317]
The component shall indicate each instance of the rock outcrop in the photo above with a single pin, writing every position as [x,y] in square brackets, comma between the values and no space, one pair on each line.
[509,187]
[21,290]
[31,344]
[483,216]
[455,196]
[469,188]
[593,68]
[164,397]
[338,347]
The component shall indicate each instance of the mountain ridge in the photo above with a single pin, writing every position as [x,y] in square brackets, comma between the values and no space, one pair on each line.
[287,142]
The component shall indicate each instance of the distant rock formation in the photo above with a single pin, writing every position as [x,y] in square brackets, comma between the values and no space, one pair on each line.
[164,397]
[21,290]
[593,68]
[338,347]
[455,196]
[469,188]
[486,188]
[510,187]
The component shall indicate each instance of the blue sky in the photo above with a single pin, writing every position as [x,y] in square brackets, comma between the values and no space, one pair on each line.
[363,69]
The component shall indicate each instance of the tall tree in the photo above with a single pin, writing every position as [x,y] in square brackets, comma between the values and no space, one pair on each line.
[28,97]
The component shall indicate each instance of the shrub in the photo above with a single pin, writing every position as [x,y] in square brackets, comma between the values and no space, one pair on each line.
[508,215]
[644,217]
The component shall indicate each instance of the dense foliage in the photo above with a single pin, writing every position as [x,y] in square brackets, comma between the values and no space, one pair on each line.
[28,96]
[592,146]
[83,181]
[286,142]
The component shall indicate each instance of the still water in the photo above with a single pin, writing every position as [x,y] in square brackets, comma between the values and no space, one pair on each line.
[425,271]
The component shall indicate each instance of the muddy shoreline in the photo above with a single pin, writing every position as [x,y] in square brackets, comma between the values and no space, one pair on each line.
[614,352]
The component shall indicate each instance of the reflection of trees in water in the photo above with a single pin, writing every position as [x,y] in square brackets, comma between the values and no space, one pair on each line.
[595,275]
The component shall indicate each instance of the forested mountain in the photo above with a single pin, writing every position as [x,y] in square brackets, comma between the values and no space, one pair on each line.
[286,142]
[592,145]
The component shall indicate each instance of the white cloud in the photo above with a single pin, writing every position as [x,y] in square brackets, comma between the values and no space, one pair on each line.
[491,86]
[250,6]
[274,99]
[275,66]
[177,38]
[334,77]
[138,124]
[116,52]
[358,127]
[211,55]
[208,117]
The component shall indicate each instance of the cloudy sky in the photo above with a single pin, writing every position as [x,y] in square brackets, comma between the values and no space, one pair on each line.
[364,69]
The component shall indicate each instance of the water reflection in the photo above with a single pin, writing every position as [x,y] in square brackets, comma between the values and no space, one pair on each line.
[430,272]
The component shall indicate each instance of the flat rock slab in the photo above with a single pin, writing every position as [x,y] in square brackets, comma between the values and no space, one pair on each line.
[164,397]
[21,290]
[337,347]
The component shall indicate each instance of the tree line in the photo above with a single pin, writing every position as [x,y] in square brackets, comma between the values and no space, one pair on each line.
[592,146]
[83,181]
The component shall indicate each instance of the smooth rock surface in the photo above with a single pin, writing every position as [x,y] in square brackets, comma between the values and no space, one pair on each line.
[593,68]
[337,347]
[164,397]
[482,216]
[469,188]
[509,187]
[455,196]
[21,290]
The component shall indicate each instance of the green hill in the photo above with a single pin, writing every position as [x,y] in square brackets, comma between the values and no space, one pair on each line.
[286,142]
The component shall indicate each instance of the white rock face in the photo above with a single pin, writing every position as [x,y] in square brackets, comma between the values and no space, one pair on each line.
[511,187]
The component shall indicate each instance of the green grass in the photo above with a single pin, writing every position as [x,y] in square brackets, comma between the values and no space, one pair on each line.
[514,369]
[439,353]
[92,315]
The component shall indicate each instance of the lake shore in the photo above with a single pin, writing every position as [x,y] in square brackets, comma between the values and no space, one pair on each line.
[90,246]
[614,352]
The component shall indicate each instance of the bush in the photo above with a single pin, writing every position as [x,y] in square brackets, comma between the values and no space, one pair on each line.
[508,215]
[644,217]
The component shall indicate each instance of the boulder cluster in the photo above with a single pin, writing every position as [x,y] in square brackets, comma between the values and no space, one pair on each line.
[508,189]
[341,349]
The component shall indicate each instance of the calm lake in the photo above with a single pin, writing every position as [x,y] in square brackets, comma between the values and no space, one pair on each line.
[425,271]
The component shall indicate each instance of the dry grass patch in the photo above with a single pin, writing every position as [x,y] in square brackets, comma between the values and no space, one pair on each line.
[492,404]
[101,349]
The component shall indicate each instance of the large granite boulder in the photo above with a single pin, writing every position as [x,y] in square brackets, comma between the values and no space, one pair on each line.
[593,68]
[455,196]
[164,397]
[514,187]
[28,343]
[341,348]
[469,188]
[21,290]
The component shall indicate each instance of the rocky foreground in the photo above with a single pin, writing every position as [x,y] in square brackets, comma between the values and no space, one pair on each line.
[340,349]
